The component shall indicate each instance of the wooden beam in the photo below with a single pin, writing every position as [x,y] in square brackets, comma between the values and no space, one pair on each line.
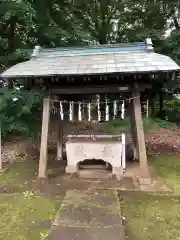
[94,89]
[44,138]
[140,133]
[89,89]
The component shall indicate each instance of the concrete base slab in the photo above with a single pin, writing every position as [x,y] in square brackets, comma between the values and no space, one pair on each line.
[155,186]
[71,169]
[118,172]
[145,181]
[127,184]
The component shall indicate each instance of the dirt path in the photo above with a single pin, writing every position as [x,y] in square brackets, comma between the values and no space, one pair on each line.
[90,214]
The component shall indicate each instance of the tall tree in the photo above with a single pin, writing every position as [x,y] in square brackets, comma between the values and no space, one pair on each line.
[98,18]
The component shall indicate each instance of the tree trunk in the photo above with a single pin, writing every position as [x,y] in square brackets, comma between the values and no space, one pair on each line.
[11,34]
[161,103]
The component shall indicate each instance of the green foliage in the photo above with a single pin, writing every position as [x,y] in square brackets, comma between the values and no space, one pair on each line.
[150,124]
[50,23]
[121,125]
[171,110]
[173,105]
[157,123]
[20,112]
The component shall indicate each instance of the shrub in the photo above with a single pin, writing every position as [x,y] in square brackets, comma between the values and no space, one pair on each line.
[171,111]
[20,112]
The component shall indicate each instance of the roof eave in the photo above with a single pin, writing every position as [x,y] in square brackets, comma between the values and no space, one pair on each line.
[92,74]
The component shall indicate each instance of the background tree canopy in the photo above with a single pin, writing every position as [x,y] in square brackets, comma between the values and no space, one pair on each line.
[25,23]
[50,23]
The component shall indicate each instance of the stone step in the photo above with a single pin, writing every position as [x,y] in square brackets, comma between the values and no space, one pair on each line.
[94,173]
[92,166]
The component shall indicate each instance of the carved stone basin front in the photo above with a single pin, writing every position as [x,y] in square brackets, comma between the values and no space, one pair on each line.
[80,149]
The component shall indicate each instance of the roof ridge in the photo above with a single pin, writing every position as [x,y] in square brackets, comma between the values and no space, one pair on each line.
[148,46]
[97,46]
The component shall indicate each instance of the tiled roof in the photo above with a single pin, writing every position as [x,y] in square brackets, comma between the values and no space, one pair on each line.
[103,59]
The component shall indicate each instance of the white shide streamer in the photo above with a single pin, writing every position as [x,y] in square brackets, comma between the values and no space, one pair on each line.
[80,111]
[71,111]
[114,109]
[107,111]
[61,111]
[98,107]
[89,111]
[122,110]
[89,106]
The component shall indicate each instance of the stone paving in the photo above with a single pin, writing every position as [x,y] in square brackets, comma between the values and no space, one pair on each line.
[90,209]
[88,215]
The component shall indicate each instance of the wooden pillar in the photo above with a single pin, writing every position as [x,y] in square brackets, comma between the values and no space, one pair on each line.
[133,130]
[44,138]
[141,147]
[59,140]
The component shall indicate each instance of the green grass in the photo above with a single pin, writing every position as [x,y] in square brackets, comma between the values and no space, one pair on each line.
[19,173]
[25,216]
[151,217]
[168,168]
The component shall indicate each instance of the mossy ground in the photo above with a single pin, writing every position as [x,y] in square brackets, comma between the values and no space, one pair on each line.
[24,215]
[152,217]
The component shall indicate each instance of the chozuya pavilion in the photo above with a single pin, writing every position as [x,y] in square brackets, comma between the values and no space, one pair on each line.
[102,69]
